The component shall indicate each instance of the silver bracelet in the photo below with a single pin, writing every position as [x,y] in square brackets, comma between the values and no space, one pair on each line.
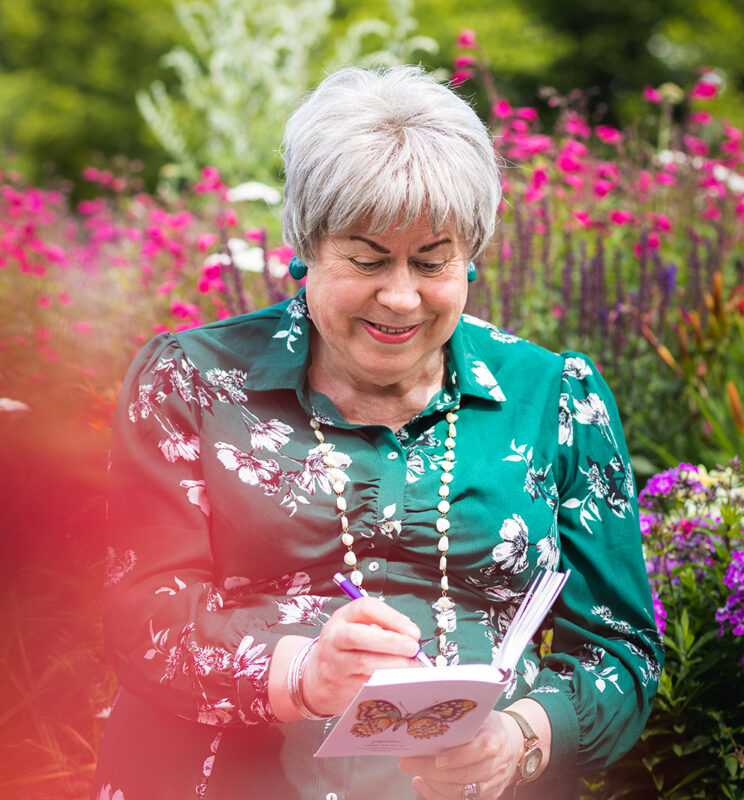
[294,682]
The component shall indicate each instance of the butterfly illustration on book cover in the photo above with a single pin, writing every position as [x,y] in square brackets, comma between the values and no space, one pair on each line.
[376,716]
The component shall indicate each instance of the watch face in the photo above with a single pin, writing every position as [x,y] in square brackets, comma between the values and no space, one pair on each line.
[532,761]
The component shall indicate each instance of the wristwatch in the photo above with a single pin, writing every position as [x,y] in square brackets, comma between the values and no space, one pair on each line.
[531,758]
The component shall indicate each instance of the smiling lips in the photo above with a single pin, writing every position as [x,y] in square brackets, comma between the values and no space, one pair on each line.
[388,334]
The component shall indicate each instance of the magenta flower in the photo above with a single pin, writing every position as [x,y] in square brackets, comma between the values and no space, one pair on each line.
[205,241]
[651,94]
[528,114]
[695,146]
[577,126]
[700,118]
[502,109]
[464,61]
[608,135]
[704,90]
[618,217]
[466,39]
[602,187]
[460,76]
[583,217]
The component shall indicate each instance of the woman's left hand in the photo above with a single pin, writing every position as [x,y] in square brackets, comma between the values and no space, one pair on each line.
[490,760]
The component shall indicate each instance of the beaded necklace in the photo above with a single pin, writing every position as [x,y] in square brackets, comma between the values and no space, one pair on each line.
[442,524]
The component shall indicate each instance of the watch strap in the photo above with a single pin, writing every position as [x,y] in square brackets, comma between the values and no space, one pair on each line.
[530,737]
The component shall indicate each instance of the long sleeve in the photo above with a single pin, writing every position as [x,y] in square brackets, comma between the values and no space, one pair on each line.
[606,659]
[169,634]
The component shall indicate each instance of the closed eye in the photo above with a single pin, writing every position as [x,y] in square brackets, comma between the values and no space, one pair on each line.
[367,265]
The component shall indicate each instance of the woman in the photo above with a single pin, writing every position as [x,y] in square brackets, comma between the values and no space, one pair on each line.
[368,425]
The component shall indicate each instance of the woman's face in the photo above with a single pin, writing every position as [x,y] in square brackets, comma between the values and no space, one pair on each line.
[384,305]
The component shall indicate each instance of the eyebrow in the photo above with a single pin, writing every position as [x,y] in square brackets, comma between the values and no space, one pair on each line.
[425,249]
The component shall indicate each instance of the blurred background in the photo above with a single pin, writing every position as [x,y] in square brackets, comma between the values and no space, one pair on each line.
[140,191]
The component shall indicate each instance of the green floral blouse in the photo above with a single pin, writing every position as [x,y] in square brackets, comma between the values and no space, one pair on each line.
[224,537]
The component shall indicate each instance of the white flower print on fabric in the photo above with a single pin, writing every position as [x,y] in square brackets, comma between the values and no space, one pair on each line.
[297,309]
[577,368]
[536,482]
[545,690]
[306,609]
[565,422]
[291,585]
[607,616]
[496,333]
[178,444]
[387,525]
[323,466]
[180,586]
[270,435]
[548,553]
[107,793]
[511,554]
[423,454]
[201,789]
[251,470]
[486,379]
[196,493]
[117,565]
[228,385]
[591,411]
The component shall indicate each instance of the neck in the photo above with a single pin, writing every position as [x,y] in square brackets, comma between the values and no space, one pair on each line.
[365,402]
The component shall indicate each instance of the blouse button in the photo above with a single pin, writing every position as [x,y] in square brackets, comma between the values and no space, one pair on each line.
[392,455]
[331,796]
[373,566]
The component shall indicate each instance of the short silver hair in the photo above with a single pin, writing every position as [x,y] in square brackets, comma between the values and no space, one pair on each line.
[385,146]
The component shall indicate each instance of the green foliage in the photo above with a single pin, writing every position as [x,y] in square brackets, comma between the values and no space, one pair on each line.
[249,65]
[69,70]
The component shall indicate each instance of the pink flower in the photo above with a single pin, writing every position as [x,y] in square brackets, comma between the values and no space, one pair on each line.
[651,94]
[527,113]
[64,298]
[44,301]
[537,143]
[608,135]
[712,212]
[183,310]
[539,177]
[464,61]
[602,187]
[576,126]
[460,76]
[700,118]
[574,181]
[166,287]
[662,222]
[502,109]
[254,235]
[506,250]
[583,217]
[665,179]
[91,174]
[695,146]
[466,39]
[519,126]
[533,195]
[704,90]
[567,163]
[83,327]
[619,217]
[205,241]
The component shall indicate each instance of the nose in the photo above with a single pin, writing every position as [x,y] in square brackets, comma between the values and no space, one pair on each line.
[399,289]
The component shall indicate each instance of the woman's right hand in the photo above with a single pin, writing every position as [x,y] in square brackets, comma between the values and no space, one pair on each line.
[360,637]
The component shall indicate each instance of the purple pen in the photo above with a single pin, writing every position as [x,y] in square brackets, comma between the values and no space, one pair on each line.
[354,593]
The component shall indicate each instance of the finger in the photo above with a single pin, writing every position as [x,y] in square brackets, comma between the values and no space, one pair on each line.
[372,611]
[372,639]
[428,791]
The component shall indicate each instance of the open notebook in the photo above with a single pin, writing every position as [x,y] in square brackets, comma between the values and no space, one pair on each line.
[401,712]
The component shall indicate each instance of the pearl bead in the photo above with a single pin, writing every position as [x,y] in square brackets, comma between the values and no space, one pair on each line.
[449,443]
[443,507]
[443,563]
[341,503]
[356,577]
[446,477]
[347,539]
[452,431]
[442,641]
[326,448]
[314,424]
[338,487]
[319,436]
[443,544]
[345,522]
[350,559]
[442,525]
[451,417]
[444,491]
[449,455]
[447,466]
[444,603]
[444,583]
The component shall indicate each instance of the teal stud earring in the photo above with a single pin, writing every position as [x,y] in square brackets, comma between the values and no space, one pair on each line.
[472,272]
[297,269]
